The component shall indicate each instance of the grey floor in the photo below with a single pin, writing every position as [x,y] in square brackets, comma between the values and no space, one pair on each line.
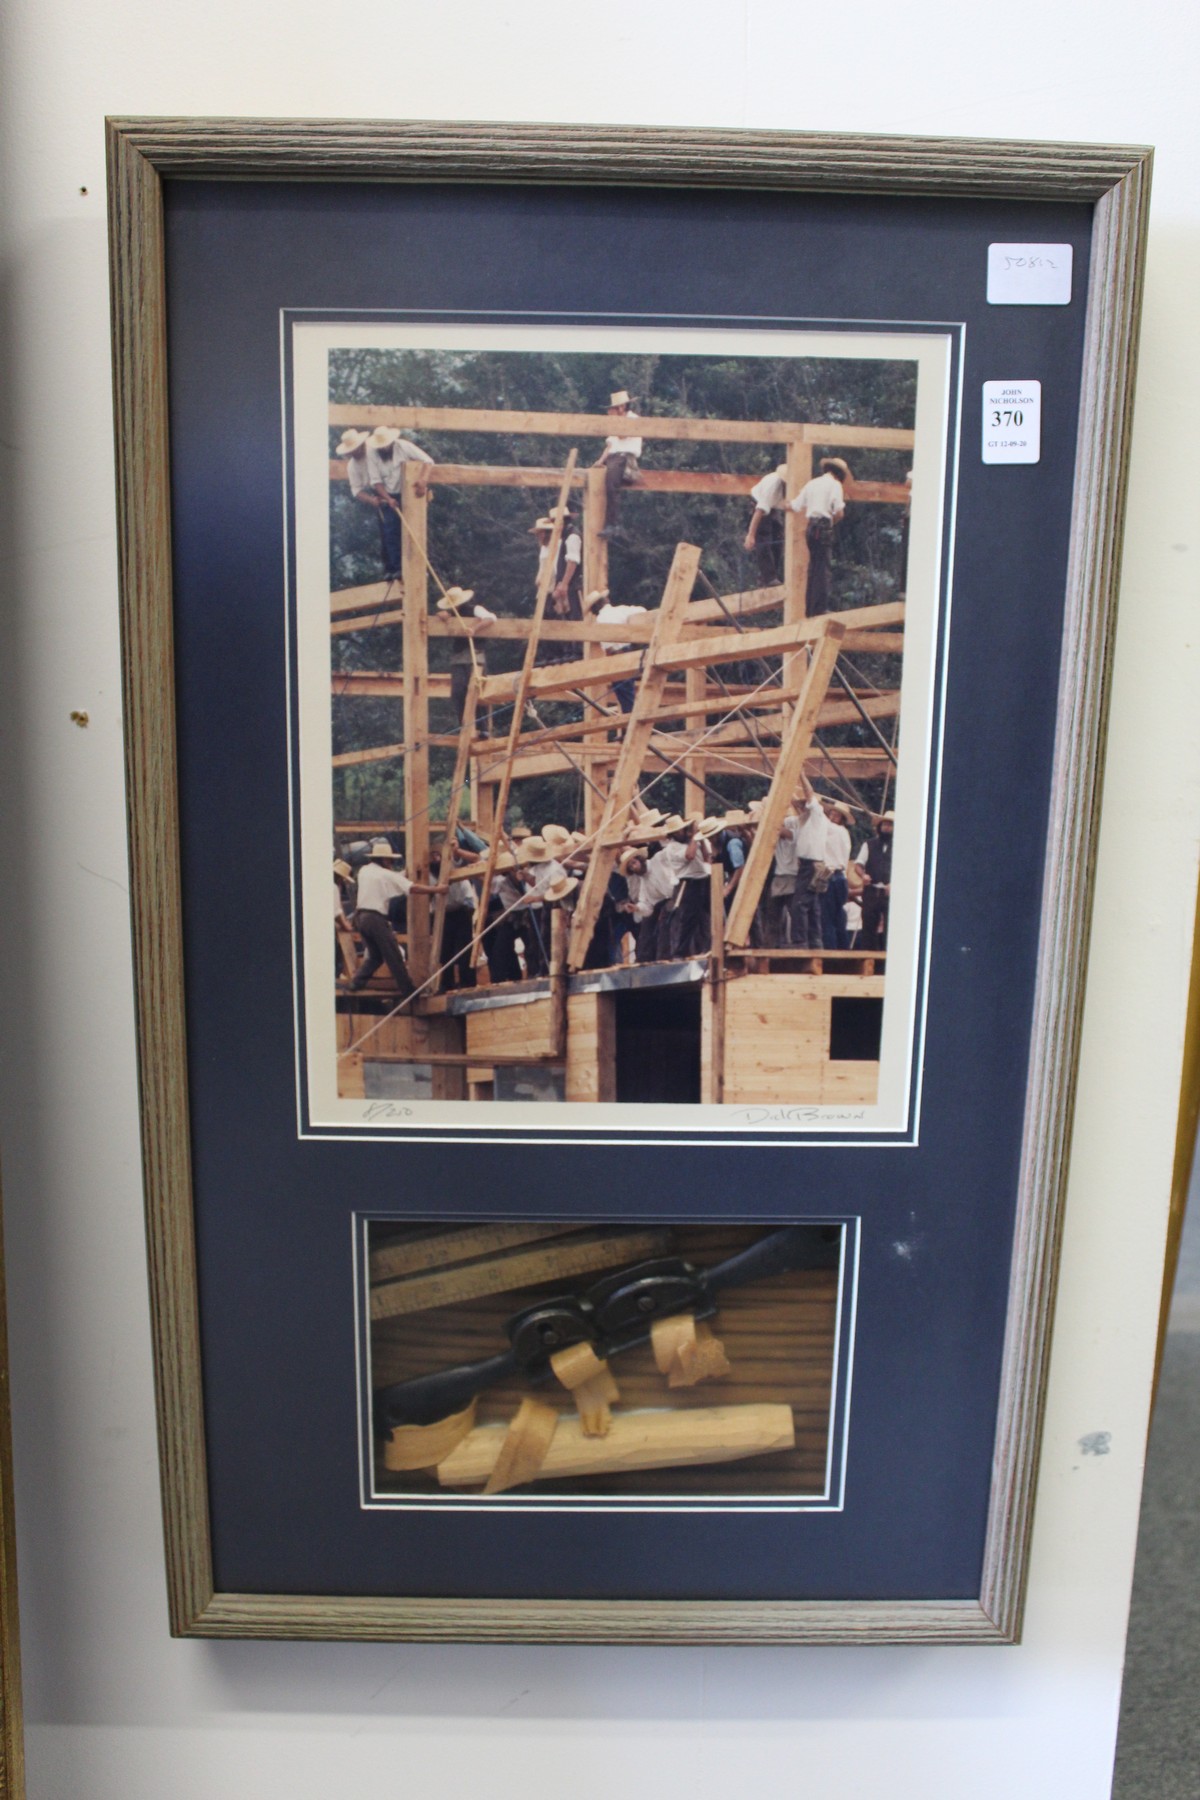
[1158,1749]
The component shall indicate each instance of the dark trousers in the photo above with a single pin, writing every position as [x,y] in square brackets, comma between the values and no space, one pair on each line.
[501,944]
[875,919]
[768,549]
[559,612]
[625,691]
[535,934]
[819,591]
[388,520]
[380,946]
[619,472]
[806,908]
[647,935]
[457,933]
[691,919]
[833,914]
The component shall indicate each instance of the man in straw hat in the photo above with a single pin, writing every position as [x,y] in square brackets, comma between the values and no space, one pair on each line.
[691,914]
[806,826]
[460,603]
[875,863]
[378,885]
[353,447]
[619,460]
[563,601]
[822,503]
[837,860]
[537,869]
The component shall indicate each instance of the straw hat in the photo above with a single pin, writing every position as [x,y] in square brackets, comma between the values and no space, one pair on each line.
[577,840]
[620,398]
[535,850]
[455,597]
[649,816]
[597,597]
[506,860]
[351,441]
[383,437]
[737,818]
[709,827]
[670,826]
[519,832]
[381,847]
[836,462]
[542,524]
[560,889]
[556,836]
[631,853]
[342,869]
[889,816]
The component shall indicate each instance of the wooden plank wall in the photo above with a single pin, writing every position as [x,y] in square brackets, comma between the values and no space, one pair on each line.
[777,1041]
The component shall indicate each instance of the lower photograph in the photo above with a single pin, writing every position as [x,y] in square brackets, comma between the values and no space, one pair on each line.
[569,1365]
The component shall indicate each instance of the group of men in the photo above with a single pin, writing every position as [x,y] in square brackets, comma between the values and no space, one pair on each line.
[658,897]
[657,902]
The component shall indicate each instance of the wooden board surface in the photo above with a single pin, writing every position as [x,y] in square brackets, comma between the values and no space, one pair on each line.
[778,1335]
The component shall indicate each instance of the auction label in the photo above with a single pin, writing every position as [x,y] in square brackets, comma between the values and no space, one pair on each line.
[1012,421]
[1029,274]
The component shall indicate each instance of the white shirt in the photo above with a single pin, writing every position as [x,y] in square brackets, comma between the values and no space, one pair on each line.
[852,912]
[837,846]
[574,551]
[358,472]
[696,869]
[459,895]
[770,494]
[376,886]
[506,890]
[807,831]
[388,471]
[624,446]
[617,615]
[660,880]
[821,498]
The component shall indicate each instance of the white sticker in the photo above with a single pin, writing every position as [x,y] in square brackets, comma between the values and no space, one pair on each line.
[1012,421]
[1029,275]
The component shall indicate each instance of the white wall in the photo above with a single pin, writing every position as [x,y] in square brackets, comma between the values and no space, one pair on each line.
[116,1711]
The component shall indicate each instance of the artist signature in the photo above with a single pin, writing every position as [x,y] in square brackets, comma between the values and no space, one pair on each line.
[796,1115]
[386,1109]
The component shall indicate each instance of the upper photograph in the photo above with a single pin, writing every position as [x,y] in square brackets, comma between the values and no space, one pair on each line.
[618,657]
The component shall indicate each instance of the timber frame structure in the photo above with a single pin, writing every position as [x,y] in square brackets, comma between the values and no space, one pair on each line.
[765,1018]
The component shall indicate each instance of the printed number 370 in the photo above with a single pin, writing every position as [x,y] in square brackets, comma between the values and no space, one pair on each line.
[1008,418]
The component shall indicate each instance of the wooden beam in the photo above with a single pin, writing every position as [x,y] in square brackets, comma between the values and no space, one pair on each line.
[558,982]
[716,976]
[791,760]
[369,598]
[600,425]
[795,545]
[545,579]
[638,729]
[366,621]
[864,437]
[654,481]
[450,836]
[415,574]
[880,642]
[595,577]
[388,684]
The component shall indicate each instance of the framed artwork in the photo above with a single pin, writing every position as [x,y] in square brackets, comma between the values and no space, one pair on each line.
[663,581]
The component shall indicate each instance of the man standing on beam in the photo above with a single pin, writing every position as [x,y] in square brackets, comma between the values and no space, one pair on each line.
[619,460]
[822,502]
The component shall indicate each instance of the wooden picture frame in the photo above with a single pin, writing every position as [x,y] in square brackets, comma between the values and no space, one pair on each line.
[143,154]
